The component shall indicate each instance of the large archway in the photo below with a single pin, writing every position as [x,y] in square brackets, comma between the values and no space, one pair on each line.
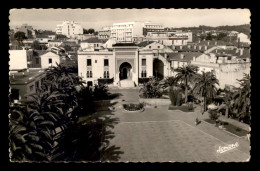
[158,69]
[125,71]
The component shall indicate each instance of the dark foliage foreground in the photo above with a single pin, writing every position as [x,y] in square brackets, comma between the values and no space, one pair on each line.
[47,127]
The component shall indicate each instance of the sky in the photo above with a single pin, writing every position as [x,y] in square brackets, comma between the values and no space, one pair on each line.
[47,19]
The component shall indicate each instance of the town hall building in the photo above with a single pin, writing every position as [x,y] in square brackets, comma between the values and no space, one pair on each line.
[125,63]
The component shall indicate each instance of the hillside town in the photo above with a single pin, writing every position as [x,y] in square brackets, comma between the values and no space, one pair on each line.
[131,70]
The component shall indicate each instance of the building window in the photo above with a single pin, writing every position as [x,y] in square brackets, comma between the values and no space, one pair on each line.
[143,62]
[106,74]
[150,47]
[143,74]
[95,61]
[31,87]
[88,62]
[106,63]
[37,60]
[50,61]
[89,74]
[158,47]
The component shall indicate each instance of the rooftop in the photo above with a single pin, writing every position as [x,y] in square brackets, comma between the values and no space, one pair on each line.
[19,78]
[37,52]
[124,44]
[93,40]
[187,56]
[145,43]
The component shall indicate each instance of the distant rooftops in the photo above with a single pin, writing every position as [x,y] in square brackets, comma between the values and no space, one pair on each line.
[124,44]
[93,40]
[145,43]
[183,56]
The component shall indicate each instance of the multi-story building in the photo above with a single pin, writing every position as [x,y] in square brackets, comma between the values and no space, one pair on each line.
[228,67]
[127,32]
[126,63]
[25,83]
[91,44]
[152,27]
[188,34]
[70,29]
[105,33]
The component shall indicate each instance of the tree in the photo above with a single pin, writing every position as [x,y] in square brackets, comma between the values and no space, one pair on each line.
[19,37]
[205,86]
[88,31]
[67,48]
[169,81]
[91,31]
[209,36]
[151,89]
[31,135]
[36,45]
[242,97]
[228,100]
[221,36]
[186,74]
[44,129]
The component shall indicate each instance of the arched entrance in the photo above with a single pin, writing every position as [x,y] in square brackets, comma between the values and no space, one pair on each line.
[158,69]
[125,70]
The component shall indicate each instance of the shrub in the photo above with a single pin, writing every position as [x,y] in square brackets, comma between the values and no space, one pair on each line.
[175,96]
[213,114]
[100,92]
[105,80]
[133,107]
[143,80]
[151,89]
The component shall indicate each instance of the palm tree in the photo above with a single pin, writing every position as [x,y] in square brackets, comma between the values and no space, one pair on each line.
[169,81]
[63,80]
[186,74]
[31,128]
[205,86]
[242,97]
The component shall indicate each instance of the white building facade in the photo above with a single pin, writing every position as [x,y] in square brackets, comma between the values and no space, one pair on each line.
[123,63]
[70,29]
[127,32]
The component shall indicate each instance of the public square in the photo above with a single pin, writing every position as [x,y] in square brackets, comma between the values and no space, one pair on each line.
[157,134]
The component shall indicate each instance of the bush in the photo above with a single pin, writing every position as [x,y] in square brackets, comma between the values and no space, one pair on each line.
[143,80]
[105,80]
[213,115]
[100,92]
[175,96]
[151,89]
[133,107]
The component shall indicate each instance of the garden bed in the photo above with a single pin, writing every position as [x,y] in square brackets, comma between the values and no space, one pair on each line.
[235,130]
[139,107]
[183,108]
[210,121]
[229,127]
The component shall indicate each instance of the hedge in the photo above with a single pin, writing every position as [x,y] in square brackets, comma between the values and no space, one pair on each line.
[105,80]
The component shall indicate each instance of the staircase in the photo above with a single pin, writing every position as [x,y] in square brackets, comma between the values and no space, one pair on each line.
[127,84]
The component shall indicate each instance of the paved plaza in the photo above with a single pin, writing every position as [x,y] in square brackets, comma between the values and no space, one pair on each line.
[158,134]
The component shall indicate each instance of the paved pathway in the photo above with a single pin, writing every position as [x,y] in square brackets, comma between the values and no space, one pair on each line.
[161,135]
